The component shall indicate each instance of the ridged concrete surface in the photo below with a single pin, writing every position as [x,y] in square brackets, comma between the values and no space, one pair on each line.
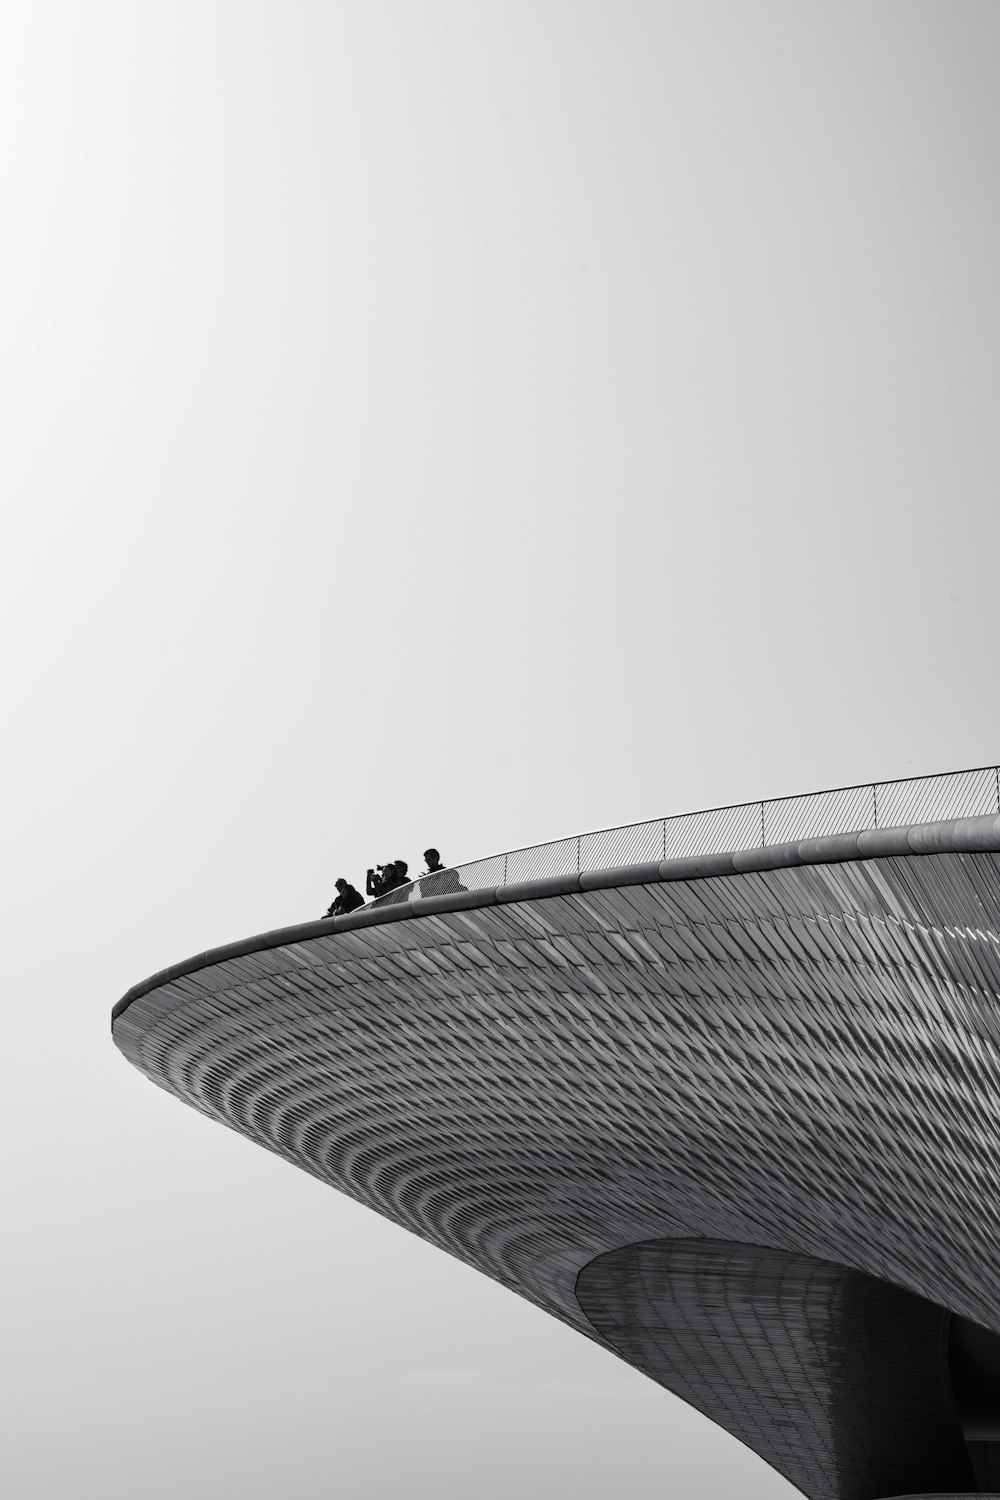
[839,1380]
[802,1058]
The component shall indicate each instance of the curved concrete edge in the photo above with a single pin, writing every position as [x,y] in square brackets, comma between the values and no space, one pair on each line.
[951,836]
[531,890]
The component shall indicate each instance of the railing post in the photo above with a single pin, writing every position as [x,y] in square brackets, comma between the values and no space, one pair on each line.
[875,804]
[664,838]
[505,869]
[996,774]
[578,840]
[763,840]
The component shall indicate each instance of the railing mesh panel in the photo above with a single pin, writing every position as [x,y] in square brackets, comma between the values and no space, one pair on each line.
[557,858]
[719,831]
[962,794]
[724,830]
[635,844]
[483,873]
[849,809]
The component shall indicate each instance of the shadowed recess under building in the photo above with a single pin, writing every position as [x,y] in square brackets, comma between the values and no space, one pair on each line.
[732,1113]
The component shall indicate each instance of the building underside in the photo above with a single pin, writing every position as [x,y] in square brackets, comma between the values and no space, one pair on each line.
[737,1118]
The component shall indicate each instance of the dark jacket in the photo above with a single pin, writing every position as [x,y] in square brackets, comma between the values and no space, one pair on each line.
[347,900]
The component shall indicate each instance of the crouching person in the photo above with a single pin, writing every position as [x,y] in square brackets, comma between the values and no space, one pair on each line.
[347,899]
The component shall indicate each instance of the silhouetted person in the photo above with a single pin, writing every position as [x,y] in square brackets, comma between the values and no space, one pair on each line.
[437,880]
[385,878]
[347,899]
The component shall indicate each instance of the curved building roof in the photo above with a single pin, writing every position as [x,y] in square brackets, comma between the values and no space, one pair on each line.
[735,1116]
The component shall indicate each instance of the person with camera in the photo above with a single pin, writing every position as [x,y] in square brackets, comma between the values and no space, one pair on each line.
[382,879]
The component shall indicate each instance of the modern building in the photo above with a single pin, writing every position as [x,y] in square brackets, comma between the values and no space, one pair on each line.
[721,1091]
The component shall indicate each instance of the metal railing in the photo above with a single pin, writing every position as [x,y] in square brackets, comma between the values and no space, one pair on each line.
[725,830]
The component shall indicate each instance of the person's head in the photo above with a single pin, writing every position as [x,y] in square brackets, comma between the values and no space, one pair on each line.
[433,859]
[400,866]
[341,884]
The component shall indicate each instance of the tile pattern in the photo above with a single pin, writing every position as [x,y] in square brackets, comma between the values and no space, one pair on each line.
[805,1059]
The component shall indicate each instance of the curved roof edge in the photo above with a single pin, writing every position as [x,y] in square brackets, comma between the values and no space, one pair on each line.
[950,836]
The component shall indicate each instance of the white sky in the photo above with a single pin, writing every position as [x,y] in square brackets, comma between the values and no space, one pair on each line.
[441,423]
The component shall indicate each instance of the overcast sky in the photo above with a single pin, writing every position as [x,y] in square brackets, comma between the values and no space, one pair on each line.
[457,423]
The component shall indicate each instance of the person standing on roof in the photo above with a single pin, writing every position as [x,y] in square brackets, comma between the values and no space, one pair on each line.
[391,877]
[437,880]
